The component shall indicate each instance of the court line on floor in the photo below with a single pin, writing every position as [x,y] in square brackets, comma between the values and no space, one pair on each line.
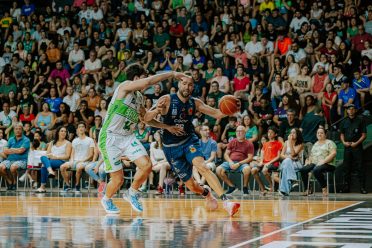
[291,226]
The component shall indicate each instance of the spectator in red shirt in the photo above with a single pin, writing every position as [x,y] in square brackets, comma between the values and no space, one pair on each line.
[240,83]
[270,156]
[176,29]
[26,116]
[359,39]
[238,155]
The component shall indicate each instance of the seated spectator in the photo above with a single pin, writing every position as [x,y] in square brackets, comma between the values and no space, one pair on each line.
[209,150]
[6,116]
[53,101]
[321,160]
[59,72]
[288,124]
[308,107]
[7,86]
[269,161]
[40,90]
[142,134]
[302,84]
[26,99]
[215,92]
[76,59]
[84,114]
[159,164]
[346,96]
[362,86]
[97,126]
[92,67]
[102,109]
[81,155]
[238,155]
[241,84]
[292,161]
[53,53]
[26,116]
[92,99]
[3,145]
[45,120]
[329,106]
[251,131]
[319,82]
[96,169]
[264,115]
[223,81]
[228,134]
[59,150]
[72,99]
[17,153]
[276,91]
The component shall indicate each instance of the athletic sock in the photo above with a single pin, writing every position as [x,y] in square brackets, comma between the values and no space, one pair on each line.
[223,197]
[105,198]
[205,192]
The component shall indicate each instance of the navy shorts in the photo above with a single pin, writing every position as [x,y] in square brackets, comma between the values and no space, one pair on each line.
[180,157]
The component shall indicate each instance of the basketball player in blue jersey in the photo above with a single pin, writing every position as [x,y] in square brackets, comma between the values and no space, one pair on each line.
[183,151]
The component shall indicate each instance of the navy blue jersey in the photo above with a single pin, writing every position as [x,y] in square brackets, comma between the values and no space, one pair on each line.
[179,114]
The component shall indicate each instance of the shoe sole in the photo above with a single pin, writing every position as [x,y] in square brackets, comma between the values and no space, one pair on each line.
[108,211]
[133,206]
[235,209]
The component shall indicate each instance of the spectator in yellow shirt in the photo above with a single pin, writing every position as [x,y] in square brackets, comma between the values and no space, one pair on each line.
[267,4]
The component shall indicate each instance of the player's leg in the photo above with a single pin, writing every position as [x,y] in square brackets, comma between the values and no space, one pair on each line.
[111,155]
[135,151]
[194,156]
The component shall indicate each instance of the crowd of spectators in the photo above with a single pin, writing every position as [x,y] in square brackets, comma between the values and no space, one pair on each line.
[295,66]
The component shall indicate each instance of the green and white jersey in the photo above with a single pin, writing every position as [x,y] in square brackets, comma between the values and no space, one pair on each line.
[122,114]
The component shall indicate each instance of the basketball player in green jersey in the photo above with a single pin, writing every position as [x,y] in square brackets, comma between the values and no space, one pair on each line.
[116,138]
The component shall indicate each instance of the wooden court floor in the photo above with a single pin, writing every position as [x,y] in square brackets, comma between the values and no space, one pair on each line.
[55,220]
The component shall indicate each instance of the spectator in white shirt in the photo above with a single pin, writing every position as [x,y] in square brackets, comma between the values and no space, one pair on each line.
[253,47]
[81,155]
[93,66]
[75,59]
[6,116]
[72,99]
[297,21]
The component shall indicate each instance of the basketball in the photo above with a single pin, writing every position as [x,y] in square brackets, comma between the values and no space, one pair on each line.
[228,105]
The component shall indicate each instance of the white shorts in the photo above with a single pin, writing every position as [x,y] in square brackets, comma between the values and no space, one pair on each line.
[115,147]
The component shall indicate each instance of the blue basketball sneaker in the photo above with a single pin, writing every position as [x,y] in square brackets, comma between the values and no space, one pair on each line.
[109,206]
[133,198]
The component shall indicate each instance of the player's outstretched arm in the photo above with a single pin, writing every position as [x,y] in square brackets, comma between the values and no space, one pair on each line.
[178,131]
[144,83]
[207,110]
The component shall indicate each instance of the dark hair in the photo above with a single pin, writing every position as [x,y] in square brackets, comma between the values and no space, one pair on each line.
[134,70]
[56,135]
[274,129]
[158,144]
[299,139]
[82,123]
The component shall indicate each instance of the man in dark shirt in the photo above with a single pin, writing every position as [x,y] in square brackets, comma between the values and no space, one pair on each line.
[84,114]
[353,133]
[287,125]
[309,126]
[200,87]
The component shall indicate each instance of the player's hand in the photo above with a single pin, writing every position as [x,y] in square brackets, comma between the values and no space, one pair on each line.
[178,131]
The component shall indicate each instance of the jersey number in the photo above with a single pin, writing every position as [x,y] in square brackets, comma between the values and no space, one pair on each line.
[127,125]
